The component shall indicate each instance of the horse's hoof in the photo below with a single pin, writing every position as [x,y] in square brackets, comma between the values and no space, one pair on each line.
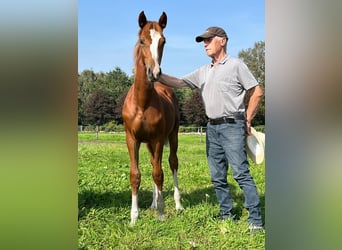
[161,217]
[132,223]
[179,208]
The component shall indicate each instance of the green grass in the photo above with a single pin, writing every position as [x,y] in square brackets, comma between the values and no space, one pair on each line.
[105,200]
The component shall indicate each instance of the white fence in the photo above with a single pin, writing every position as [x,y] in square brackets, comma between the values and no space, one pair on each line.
[120,129]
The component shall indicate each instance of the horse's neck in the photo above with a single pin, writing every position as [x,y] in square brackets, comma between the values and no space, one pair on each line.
[143,88]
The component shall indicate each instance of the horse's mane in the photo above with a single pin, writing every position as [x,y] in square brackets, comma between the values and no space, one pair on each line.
[136,55]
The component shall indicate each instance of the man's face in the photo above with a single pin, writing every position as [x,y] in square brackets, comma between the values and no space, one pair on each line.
[213,45]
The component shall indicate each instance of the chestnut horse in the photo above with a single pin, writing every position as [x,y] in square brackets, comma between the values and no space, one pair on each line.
[150,114]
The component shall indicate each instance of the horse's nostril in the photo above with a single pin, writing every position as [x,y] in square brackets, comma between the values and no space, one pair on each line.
[156,72]
[149,73]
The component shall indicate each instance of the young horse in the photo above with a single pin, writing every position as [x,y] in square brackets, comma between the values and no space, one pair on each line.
[150,115]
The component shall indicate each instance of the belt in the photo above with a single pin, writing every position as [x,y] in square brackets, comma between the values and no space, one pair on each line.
[226,119]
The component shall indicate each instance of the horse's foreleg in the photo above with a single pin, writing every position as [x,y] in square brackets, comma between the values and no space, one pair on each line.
[173,161]
[155,197]
[156,151]
[158,202]
[135,177]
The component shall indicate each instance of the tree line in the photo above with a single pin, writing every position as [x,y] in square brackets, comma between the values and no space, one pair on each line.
[101,95]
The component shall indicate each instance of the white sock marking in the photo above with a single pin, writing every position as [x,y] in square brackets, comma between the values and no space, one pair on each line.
[176,194]
[134,209]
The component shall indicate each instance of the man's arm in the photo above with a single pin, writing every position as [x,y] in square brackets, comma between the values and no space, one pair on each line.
[172,81]
[256,94]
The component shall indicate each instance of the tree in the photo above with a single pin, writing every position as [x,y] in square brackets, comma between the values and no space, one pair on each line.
[255,60]
[99,108]
[86,86]
[193,110]
[118,107]
[113,83]
[182,96]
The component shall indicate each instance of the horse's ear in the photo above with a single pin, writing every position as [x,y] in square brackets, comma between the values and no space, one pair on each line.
[163,20]
[142,19]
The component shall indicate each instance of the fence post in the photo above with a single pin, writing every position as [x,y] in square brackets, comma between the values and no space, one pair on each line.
[201,134]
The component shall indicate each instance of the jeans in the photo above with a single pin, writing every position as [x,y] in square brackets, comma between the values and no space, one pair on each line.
[226,146]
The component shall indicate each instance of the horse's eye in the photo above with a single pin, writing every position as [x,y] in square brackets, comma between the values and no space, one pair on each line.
[142,41]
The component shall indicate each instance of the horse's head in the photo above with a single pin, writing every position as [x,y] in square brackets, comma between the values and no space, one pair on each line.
[151,42]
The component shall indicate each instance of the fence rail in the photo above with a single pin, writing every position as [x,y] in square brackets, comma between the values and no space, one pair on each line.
[120,129]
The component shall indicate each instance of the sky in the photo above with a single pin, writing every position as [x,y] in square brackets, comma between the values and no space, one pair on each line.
[107,31]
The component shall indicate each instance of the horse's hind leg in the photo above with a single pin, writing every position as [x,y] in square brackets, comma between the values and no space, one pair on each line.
[173,161]
[156,151]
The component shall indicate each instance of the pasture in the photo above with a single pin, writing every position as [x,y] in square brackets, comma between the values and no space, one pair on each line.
[104,200]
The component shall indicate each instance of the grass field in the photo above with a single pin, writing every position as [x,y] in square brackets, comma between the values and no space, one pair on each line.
[105,200]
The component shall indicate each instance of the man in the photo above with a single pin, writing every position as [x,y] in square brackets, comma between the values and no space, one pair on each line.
[224,83]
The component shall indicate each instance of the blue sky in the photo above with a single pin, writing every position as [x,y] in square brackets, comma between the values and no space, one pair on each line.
[107,31]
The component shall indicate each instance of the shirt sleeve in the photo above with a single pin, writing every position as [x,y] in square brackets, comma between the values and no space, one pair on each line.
[246,77]
[196,78]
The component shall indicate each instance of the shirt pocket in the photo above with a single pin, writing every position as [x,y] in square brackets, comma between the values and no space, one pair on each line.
[230,86]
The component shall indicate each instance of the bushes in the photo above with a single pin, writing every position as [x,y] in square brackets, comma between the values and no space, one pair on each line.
[260,128]
[107,127]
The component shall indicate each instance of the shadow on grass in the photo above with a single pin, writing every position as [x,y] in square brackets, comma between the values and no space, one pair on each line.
[88,200]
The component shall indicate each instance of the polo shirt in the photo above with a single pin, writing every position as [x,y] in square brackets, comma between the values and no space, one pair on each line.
[223,87]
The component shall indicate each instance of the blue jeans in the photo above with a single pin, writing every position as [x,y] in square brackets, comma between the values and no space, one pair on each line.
[226,145]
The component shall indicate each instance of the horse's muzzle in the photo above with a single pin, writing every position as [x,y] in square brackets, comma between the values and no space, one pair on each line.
[153,75]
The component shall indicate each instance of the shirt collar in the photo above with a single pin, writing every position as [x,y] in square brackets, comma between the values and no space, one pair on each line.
[223,61]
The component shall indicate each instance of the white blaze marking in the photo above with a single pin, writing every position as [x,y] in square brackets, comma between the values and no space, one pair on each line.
[155,36]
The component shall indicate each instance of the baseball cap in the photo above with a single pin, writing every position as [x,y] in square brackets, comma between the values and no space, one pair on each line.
[211,32]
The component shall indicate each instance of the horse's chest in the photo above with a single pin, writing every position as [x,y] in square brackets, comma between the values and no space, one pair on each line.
[148,119]
[146,125]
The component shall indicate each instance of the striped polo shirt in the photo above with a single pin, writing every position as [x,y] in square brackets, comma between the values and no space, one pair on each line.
[223,87]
